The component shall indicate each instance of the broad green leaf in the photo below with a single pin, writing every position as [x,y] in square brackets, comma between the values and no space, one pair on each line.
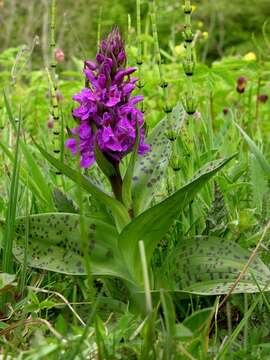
[210,266]
[6,281]
[256,151]
[55,244]
[153,224]
[198,320]
[119,212]
[150,168]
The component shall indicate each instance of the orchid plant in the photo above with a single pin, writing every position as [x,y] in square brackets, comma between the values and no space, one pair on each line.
[110,134]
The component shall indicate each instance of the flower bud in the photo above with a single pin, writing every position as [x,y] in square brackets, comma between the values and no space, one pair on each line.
[50,123]
[225,111]
[59,55]
[262,98]
[241,84]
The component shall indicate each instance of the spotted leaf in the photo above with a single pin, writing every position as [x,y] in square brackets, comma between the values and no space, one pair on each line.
[55,244]
[150,168]
[210,266]
[153,224]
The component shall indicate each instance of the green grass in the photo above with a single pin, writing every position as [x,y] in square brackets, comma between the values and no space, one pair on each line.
[153,286]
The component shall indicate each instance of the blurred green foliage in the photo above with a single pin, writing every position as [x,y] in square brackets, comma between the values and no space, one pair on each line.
[230,24]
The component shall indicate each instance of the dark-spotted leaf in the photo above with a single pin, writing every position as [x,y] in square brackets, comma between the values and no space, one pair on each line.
[149,169]
[119,212]
[153,224]
[55,244]
[210,266]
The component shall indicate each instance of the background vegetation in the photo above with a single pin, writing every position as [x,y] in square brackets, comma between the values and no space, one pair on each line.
[229,24]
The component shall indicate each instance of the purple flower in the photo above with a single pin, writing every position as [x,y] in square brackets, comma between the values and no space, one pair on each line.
[107,114]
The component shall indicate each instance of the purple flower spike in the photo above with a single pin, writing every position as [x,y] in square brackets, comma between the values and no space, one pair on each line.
[107,113]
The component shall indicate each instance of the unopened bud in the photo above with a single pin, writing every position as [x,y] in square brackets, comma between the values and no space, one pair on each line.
[59,55]
[225,111]
[50,123]
[263,98]
[241,84]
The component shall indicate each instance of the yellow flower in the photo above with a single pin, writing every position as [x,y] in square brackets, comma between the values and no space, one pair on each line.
[251,56]
[205,35]
[200,24]
[180,50]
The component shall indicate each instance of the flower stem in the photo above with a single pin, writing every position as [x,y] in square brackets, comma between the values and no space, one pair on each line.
[117,183]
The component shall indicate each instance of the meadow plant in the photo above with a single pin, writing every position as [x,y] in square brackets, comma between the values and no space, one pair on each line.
[110,129]
[135,210]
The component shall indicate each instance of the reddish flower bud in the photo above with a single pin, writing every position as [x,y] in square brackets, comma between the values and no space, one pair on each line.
[241,84]
[59,95]
[59,55]
[50,123]
[225,111]
[262,98]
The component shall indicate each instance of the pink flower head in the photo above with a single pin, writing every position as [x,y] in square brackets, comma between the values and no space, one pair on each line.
[107,114]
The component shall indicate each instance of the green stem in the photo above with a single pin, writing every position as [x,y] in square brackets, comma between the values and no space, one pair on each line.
[117,183]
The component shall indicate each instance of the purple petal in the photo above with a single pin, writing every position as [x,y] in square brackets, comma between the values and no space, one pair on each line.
[90,65]
[71,144]
[135,99]
[122,73]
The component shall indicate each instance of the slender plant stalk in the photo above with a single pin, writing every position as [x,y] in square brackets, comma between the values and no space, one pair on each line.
[140,84]
[53,87]
[163,83]
[148,299]
[189,101]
